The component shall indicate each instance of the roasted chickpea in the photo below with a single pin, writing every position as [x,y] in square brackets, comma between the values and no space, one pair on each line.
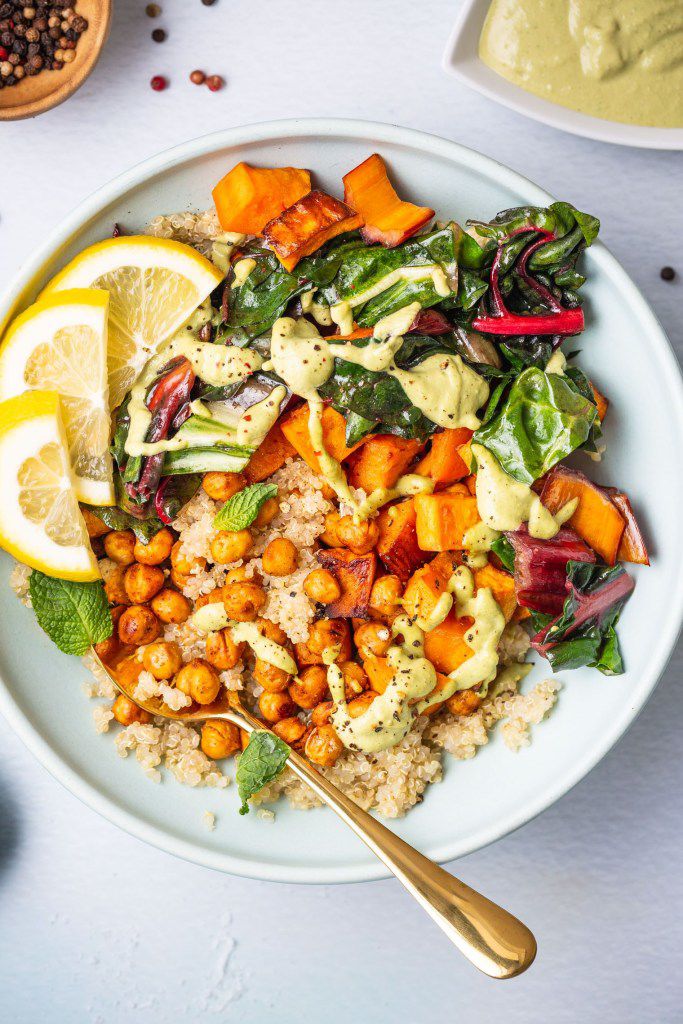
[305,656]
[198,680]
[270,677]
[138,625]
[236,575]
[221,486]
[276,706]
[280,557]
[269,509]
[126,712]
[310,687]
[355,679]
[143,582]
[359,705]
[220,739]
[329,536]
[291,730]
[184,564]
[326,633]
[170,606]
[180,579]
[463,702]
[385,596]
[162,659]
[372,640]
[214,596]
[119,546]
[358,537]
[221,650]
[107,649]
[243,601]
[93,524]
[273,632]
[320,585]
[230,545]
[321,715]
[114,586]
[156,550]
[323,746]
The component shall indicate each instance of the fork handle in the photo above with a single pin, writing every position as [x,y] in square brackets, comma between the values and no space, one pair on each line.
[491,938]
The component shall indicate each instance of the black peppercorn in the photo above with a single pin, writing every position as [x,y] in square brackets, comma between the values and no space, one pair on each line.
[667,273]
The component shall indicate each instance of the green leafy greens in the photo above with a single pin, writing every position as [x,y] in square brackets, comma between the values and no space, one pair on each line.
[263,759]
[585,632]
[505,551]
[543,420]
[364,268]
[341,270]
[242,508]
[74,615]
[377,398]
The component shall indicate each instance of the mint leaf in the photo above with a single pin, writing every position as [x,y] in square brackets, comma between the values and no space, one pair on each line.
[74,615]
[241,510]
[262,761]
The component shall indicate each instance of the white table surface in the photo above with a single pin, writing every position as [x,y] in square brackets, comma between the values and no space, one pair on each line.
[97,927]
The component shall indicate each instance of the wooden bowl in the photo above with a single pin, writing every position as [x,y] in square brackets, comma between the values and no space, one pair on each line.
[32,95]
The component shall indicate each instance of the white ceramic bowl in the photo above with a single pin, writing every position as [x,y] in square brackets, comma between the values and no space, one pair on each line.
[462,59]
[626,353]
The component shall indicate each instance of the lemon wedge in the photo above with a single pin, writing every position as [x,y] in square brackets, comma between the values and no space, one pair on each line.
[60,344]
[40,521]
[154,286]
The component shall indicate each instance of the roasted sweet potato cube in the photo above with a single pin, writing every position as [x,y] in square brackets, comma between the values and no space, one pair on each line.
[295,429]
[247,198]
[502,586]
[270,456]
[387,218]
[597,520]
[355,574]
[443,463]
[443,520]
[308,224]
[381,461]
[397,546]
[379,672]
[632,547]
[445,645]
[601,402]
[427,584]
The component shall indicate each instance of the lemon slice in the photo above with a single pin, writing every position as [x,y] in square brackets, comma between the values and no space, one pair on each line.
[60,344]
[40,521]
[154,285]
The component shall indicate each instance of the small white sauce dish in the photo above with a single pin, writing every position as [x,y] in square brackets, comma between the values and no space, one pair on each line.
[462,60]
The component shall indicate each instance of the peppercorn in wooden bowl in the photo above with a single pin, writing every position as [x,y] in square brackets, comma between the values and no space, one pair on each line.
[38,68]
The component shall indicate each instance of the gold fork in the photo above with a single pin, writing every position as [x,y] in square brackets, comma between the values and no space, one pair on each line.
[490,937]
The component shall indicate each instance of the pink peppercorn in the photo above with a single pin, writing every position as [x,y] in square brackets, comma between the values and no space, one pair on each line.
[215,82]
[159,83]
[4,54]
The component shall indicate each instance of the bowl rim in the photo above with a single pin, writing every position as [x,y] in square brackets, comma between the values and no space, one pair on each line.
[19,290]
[463,61]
